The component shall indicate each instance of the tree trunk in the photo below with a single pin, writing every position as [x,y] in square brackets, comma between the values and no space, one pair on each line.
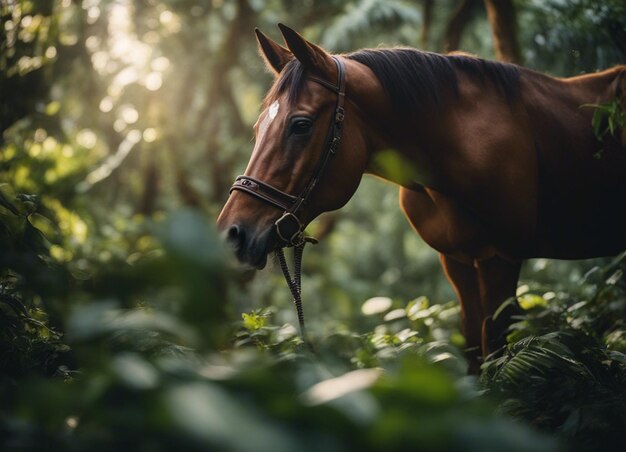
[188,194]
[462,15]
[219,93]
[501,14]
[151,182]
[427,17]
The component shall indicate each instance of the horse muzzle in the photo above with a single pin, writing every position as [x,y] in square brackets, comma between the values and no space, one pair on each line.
[251,248]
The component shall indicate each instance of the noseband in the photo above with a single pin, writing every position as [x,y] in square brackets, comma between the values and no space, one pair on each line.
[288,227]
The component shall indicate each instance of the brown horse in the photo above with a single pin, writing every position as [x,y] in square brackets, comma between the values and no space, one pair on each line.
[502,163]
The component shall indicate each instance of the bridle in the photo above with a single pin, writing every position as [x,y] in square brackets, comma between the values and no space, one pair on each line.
[289,228]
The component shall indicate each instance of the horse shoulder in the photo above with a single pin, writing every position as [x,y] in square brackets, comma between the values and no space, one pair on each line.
[444,224]
[490,164]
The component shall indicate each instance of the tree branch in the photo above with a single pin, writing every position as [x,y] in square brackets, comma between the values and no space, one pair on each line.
[461,17]
[501,14]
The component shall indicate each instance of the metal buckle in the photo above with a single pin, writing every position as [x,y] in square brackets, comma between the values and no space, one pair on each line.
[339,115]
[248,183]
[297,238]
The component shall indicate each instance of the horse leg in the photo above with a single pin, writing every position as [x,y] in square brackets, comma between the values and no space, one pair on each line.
[465,281]
[497,279]
[481,284]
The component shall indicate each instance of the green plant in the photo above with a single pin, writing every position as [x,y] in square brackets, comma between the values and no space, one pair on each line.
[607,119]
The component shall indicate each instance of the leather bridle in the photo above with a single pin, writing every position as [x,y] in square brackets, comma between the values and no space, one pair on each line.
[289,228]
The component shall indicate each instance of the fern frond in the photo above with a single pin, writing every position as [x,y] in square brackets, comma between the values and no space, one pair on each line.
[365,15]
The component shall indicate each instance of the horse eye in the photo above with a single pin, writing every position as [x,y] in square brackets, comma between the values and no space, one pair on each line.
[300,126]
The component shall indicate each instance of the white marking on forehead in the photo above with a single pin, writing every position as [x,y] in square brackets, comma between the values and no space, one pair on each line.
[274,109]
[269,117]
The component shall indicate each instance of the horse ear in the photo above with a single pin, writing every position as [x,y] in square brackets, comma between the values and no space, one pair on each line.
[275,55]
[312,57]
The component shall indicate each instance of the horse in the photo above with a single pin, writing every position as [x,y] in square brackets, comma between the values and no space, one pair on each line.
[501,164]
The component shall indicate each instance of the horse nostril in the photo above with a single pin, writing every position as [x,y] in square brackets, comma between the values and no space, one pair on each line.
[236,235]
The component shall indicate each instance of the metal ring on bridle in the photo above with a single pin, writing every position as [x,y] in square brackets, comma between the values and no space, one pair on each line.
[297,237]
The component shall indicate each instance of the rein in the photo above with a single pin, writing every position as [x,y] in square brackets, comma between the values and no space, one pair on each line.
[295,283]
[288,228]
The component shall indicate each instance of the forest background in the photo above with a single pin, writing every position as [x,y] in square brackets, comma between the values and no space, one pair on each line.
[122,127]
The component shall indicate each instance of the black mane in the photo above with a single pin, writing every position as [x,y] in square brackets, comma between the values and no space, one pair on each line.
[414,80]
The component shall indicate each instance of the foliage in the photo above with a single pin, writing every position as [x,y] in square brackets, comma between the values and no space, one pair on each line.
[29,279]
[122,126]
[150,376]
[565,368]
[366,16]
[607,119]
[572,37]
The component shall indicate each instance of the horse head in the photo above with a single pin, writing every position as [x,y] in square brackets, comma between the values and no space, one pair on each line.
[310,150]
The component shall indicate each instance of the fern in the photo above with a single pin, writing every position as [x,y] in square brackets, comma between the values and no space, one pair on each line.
[363,16]
[572,381]
[565,382]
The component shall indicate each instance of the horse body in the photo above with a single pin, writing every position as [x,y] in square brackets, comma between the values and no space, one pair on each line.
[519,180]
[515,182]
[480,194]
[503,166]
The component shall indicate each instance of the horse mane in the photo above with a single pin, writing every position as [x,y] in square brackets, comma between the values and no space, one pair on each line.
[414,80]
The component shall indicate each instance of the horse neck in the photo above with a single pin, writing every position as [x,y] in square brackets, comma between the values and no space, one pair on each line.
[401,145]
[383,126]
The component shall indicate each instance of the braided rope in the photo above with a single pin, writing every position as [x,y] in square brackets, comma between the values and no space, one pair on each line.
[297,259]
[295,286]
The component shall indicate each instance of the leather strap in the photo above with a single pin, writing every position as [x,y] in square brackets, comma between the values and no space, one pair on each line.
[264,191]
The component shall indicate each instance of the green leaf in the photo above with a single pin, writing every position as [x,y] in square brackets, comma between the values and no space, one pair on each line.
[615,118]
[4,202]
[253,321]
[596,123]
